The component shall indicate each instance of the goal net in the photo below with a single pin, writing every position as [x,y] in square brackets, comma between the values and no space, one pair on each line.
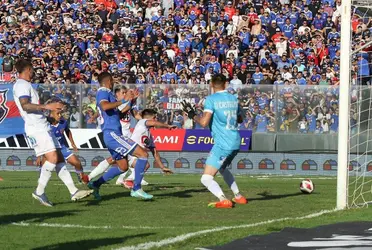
[357,137]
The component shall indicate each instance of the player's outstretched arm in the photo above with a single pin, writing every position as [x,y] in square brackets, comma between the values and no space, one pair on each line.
[30,107]
[159,125]
[157,158]
[191,113]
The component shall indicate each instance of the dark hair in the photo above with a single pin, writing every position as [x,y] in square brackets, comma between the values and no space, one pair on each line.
[218,79]
[102,76]
[146,112]
[119,88]
[22,64]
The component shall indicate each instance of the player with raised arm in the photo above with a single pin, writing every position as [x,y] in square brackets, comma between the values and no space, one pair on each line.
[59,126]
[142,136]
[125,120]
[39,135]
[221,114]
[118,146]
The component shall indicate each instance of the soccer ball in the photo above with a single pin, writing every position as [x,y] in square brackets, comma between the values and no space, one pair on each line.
[307,186]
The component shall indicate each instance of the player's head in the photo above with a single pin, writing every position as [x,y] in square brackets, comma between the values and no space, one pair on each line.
[24,69]
[120,92]
[105,80]
[149,114]
[55,115]
[218,82]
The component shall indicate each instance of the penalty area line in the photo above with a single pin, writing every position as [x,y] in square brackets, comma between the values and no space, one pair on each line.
[184,237]
[58,225]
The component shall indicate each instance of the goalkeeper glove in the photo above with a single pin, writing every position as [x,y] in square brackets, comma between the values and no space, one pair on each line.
[189,109]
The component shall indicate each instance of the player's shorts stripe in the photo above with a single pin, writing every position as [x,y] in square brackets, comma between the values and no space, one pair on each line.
[120,140]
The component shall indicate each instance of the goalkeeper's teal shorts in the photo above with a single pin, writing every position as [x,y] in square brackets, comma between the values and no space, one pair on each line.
[220,158]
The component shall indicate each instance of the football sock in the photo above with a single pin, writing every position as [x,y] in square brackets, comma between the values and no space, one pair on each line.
[45,174]
[132,175]
[121,177]
[139,172]
[100,169]
[109,175]
[230,181]
[66,178]
[209,182]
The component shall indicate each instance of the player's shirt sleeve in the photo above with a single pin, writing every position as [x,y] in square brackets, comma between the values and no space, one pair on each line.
[22,91]
[102,95]
[208,106]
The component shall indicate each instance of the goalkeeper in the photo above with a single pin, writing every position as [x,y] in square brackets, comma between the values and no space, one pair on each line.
[222,114]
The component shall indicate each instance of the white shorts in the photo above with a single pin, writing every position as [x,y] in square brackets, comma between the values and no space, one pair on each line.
[43,142]
[126,133]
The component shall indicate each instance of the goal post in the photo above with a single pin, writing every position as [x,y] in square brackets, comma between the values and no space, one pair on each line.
[354,171]
[344,103]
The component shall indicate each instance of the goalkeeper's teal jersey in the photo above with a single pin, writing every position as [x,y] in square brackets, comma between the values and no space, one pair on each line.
[224,126]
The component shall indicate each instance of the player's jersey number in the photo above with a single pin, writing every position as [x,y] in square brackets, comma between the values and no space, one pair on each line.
[231,117]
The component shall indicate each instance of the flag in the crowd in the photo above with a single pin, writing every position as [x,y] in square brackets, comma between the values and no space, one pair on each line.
[11,122]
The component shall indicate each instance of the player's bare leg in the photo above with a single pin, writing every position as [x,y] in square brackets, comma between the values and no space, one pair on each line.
[208,181]
[76,163]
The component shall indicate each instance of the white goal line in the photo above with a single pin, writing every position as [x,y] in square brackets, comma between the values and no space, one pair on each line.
[184,237]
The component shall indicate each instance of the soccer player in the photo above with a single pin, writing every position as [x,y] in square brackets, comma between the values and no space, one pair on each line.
[58,127]
[222,114]
[125,119]
[143,137]
[39,135]
[118,146]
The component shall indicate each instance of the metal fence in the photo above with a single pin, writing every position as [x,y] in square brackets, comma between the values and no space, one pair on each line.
[267,108]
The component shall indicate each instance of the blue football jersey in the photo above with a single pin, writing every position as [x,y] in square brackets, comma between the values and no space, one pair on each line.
[110,119]
[224,126]
[58,130]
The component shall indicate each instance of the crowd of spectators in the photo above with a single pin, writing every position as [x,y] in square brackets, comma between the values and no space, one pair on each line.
[275,42]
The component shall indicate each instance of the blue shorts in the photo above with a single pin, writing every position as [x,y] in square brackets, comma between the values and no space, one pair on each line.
[118,146]
[220,158]
[66,152]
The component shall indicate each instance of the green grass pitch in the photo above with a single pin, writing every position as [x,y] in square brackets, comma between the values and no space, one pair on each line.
[179,207]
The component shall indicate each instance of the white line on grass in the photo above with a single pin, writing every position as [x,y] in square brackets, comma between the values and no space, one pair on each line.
[183,237]
[57,225]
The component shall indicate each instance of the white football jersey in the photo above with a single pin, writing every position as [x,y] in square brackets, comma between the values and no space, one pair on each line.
[125,124]
[34,122]
[142,135]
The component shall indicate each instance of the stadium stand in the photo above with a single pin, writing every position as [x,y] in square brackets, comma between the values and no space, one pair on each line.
[281,56]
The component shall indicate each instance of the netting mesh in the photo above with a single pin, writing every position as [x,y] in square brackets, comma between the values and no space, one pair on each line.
[360,123]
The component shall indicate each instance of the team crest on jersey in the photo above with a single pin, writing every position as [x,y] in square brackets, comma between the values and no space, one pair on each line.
[4,110]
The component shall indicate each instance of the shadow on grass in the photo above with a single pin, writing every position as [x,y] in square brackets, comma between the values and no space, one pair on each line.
[184,193]
[92,243]
[268,196]
[106,197]
[34,217]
